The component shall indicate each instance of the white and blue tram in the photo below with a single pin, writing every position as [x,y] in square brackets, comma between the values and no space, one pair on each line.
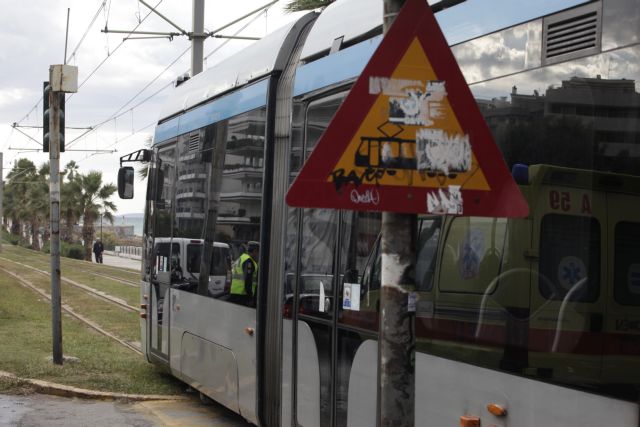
[537,319]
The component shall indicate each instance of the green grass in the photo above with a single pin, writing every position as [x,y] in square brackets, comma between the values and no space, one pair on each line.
[25,334]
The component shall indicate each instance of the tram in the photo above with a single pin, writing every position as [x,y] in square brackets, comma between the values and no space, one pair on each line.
[538,317]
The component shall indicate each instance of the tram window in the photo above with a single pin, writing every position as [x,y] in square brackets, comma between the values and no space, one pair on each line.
[359,291]
[319,114]
[428,238]
[167,163]
[472,254]
[627,263]
[569,253]
[191,184]
[316,281]
[241,188]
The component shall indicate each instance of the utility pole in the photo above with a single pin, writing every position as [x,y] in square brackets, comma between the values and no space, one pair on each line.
[54,194]
[63,79]
[396,358]
[197,38]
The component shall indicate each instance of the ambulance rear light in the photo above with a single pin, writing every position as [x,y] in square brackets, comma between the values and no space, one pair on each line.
[520,174]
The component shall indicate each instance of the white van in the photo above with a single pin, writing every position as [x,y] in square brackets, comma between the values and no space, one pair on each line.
[185,263]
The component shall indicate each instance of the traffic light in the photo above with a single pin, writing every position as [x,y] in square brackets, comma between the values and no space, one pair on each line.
[46,111]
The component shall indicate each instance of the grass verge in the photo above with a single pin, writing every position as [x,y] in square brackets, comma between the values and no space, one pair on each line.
[103,364]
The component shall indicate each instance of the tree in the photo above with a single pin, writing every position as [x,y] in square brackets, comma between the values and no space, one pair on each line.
[93,201]
[70,209]
[300,5]
[37,206]
[18,181]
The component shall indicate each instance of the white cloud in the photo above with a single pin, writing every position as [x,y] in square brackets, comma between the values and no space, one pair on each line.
[33,35]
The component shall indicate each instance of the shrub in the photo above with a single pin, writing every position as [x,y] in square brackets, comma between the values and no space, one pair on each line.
[73,251]
[10,238]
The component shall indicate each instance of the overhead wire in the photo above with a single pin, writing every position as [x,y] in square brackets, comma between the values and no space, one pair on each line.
[102,5]
[95,17]
[110,54]
[120,113]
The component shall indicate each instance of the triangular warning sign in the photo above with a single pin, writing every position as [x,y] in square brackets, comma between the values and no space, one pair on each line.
[409,137]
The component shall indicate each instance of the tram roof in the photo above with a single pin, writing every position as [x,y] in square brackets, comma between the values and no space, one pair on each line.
[251,63]
[337,20]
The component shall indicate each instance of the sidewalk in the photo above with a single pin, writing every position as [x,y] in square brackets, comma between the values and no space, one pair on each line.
[116,261]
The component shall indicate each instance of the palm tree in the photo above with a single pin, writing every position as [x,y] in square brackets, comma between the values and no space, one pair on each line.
[19,179]
[36,203]
[69,203]
[93,198]
[299,5]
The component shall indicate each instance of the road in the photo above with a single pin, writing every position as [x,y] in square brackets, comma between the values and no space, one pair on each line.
[52,411]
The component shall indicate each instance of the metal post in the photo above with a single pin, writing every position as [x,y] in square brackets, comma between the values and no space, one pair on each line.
[197,38]
[54,193]
[397,305]
[101,239]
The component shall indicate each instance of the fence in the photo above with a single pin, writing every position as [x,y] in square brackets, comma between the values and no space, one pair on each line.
[134,252]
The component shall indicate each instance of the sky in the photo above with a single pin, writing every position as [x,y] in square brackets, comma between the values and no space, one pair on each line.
[120,83]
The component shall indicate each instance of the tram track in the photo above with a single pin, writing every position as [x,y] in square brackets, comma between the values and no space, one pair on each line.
[94,292]
[115,279]
[28,284]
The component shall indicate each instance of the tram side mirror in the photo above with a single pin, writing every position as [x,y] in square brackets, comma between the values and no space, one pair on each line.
[125,182]
[154,192]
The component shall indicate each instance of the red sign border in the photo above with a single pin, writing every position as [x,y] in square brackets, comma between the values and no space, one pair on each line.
[311,188]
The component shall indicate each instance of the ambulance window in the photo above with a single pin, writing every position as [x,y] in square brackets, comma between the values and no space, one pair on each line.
[626,276]
[472,254]
[569,258]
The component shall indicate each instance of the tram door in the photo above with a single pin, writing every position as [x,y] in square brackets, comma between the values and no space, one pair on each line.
[329,250]
[164,256]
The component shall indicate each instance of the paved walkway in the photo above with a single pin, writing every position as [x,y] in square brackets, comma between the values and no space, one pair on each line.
[117,261]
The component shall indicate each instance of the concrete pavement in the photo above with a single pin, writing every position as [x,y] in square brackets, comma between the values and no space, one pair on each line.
[116,261]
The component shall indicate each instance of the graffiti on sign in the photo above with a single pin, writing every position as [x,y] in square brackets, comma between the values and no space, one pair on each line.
[443,201]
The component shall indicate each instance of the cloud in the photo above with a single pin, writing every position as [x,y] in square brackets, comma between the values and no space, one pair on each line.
[11,95]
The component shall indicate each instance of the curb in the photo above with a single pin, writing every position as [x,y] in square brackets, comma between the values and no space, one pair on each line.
[45,387]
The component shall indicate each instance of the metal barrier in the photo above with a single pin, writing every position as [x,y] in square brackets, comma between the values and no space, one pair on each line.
[134,252]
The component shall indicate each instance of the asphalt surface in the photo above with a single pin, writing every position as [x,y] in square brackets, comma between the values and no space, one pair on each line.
[41,410]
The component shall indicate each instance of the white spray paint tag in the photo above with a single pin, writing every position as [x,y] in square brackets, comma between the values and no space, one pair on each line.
[445,201]
[440,152]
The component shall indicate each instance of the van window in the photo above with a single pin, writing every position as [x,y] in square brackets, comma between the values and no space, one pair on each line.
[472,254]
[220,261]
[627,263]
[569,253]
[164,253]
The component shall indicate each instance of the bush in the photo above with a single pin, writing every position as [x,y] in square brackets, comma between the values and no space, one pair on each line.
[73,251]
[11,238]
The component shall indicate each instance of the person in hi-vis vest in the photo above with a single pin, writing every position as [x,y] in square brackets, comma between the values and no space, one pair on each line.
[244,278]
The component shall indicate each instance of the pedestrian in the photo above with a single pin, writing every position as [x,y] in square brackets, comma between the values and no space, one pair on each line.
[98,248]
[244,279]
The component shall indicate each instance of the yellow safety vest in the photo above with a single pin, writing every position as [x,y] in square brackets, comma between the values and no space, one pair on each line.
[237,278]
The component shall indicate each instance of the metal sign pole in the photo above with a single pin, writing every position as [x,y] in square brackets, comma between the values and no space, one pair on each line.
[54,194]
[396,358]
